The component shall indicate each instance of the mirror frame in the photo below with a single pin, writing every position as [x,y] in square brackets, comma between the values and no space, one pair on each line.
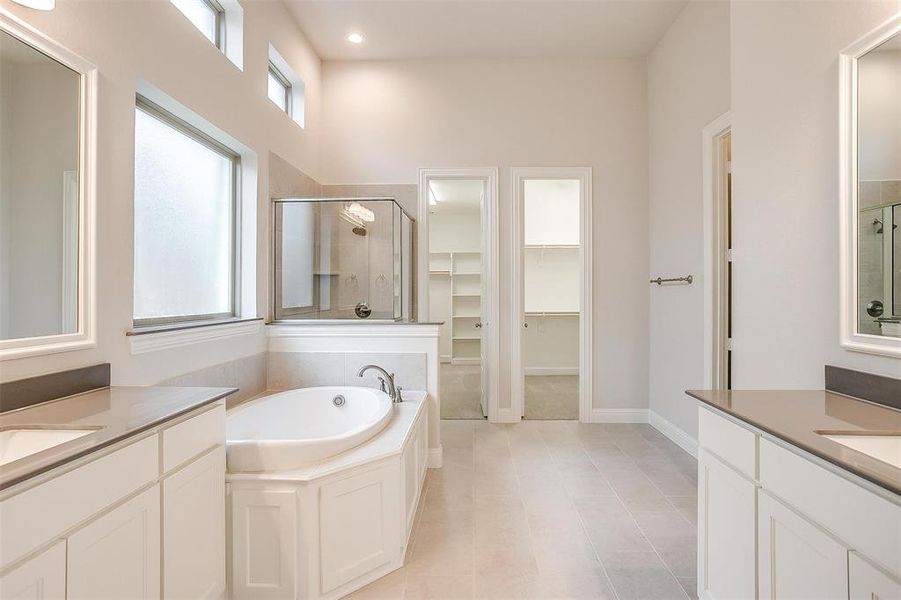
[85,335]
[850,338]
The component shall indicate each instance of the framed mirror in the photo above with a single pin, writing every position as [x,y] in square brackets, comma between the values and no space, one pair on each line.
[47,116]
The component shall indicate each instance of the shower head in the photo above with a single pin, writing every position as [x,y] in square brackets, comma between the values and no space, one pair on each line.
[361,231]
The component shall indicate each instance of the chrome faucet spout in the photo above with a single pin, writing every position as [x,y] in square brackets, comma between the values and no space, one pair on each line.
[386,382]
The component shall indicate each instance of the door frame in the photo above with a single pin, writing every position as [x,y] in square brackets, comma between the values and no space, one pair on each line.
[490,237]
[715,243]
[517,309]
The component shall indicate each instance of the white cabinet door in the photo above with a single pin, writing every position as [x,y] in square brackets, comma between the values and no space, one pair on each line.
[194,529]
[41,578]
[727,532]
[797,558]
[117,556]
[866,582]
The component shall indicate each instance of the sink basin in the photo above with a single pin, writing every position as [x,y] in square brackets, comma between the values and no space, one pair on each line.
[884,447]
[16,443]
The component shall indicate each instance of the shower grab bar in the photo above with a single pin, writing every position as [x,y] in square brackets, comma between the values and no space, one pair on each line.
[660,281]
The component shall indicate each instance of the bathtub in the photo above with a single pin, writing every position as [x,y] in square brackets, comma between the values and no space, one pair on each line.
[302,427]
[322,531]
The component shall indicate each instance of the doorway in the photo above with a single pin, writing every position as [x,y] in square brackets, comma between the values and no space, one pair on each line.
[718,217]
[458,284]
[552,293]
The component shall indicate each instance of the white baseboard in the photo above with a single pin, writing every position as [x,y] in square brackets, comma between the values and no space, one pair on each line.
[435,457]
[619,415]
[551,371]
[676,434]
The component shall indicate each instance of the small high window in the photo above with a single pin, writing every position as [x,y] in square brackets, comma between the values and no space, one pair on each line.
[285,87]
[208,17]
[279,89]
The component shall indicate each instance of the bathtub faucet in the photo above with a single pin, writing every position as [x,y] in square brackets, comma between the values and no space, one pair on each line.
[384,382]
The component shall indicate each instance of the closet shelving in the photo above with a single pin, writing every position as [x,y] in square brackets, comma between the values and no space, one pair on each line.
[462,295]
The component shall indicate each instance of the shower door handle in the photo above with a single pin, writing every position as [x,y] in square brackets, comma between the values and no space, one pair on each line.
[478,324]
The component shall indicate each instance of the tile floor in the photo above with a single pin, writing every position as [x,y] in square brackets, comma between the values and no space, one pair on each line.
[546,396]
[552,509]
[551,397]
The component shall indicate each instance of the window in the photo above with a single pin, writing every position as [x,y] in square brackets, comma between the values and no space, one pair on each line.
[285,87]
[279,89]
[185,203]
[207,16]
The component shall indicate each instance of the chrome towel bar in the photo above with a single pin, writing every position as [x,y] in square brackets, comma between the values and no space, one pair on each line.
[660,281]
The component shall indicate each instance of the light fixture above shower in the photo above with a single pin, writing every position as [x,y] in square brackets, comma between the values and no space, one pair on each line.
[357,215]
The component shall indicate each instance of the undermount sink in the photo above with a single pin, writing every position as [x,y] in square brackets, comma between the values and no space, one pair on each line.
[16,443]
[885,447]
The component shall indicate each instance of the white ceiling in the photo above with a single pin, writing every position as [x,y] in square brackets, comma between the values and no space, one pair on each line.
[411,29]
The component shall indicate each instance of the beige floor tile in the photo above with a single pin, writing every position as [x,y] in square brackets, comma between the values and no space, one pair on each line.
[642,576]
[429,587]
[389,587]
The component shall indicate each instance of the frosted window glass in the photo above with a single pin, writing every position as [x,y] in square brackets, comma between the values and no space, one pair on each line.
[278,92]
[202,15]
[183,224]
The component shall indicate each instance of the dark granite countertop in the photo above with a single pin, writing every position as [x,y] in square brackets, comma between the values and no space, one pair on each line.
[116,412]
[796,416]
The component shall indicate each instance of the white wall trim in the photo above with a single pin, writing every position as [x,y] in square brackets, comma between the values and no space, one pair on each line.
[85,335]
[673,432]
[850,339]
[517,385]
[619,415]
[164,340]
[713,242]
[490,270]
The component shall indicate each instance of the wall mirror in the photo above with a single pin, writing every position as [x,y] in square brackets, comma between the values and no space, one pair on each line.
[46,103]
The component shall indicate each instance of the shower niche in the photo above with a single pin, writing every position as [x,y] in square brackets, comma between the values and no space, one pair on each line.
[342,259]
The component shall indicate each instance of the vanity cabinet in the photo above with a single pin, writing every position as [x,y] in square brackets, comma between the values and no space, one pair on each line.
[727,530]
[797,559]
[117,555]
[776,523]
[41,578]
[143,519]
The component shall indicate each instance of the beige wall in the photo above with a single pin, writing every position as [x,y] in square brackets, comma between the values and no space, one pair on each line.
[688,87]
[785,164]
[130,41]
[387,119]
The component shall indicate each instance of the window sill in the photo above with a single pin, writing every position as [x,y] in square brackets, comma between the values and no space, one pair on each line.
[164,337]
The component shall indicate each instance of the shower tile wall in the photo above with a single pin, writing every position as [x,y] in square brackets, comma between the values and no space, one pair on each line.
[248,374]
[289,370]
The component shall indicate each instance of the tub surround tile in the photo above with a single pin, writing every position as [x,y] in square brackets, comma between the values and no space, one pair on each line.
[289,370]
[247,374]
[409,369]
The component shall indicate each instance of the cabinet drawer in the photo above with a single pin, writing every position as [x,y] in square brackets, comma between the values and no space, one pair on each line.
[730,442]
[866,582]
[43,512]
[865,521]
[192,437]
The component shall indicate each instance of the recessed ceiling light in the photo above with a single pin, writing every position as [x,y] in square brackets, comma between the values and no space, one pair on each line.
[355,38]
[37,4]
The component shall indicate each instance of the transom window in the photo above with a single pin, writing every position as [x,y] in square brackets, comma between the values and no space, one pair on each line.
[279,89]
[208,17]
[185,206]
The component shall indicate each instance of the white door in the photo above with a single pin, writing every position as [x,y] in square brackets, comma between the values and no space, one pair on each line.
[117,556]
[866,582]
[797,559]
[194,530]
[41,578]
[727,532]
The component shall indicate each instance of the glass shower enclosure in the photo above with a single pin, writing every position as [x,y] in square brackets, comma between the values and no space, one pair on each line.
[342,258]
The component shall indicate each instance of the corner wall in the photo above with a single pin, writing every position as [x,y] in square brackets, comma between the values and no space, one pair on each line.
[688,87]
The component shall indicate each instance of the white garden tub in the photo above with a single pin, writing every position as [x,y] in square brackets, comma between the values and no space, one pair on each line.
[301,427]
